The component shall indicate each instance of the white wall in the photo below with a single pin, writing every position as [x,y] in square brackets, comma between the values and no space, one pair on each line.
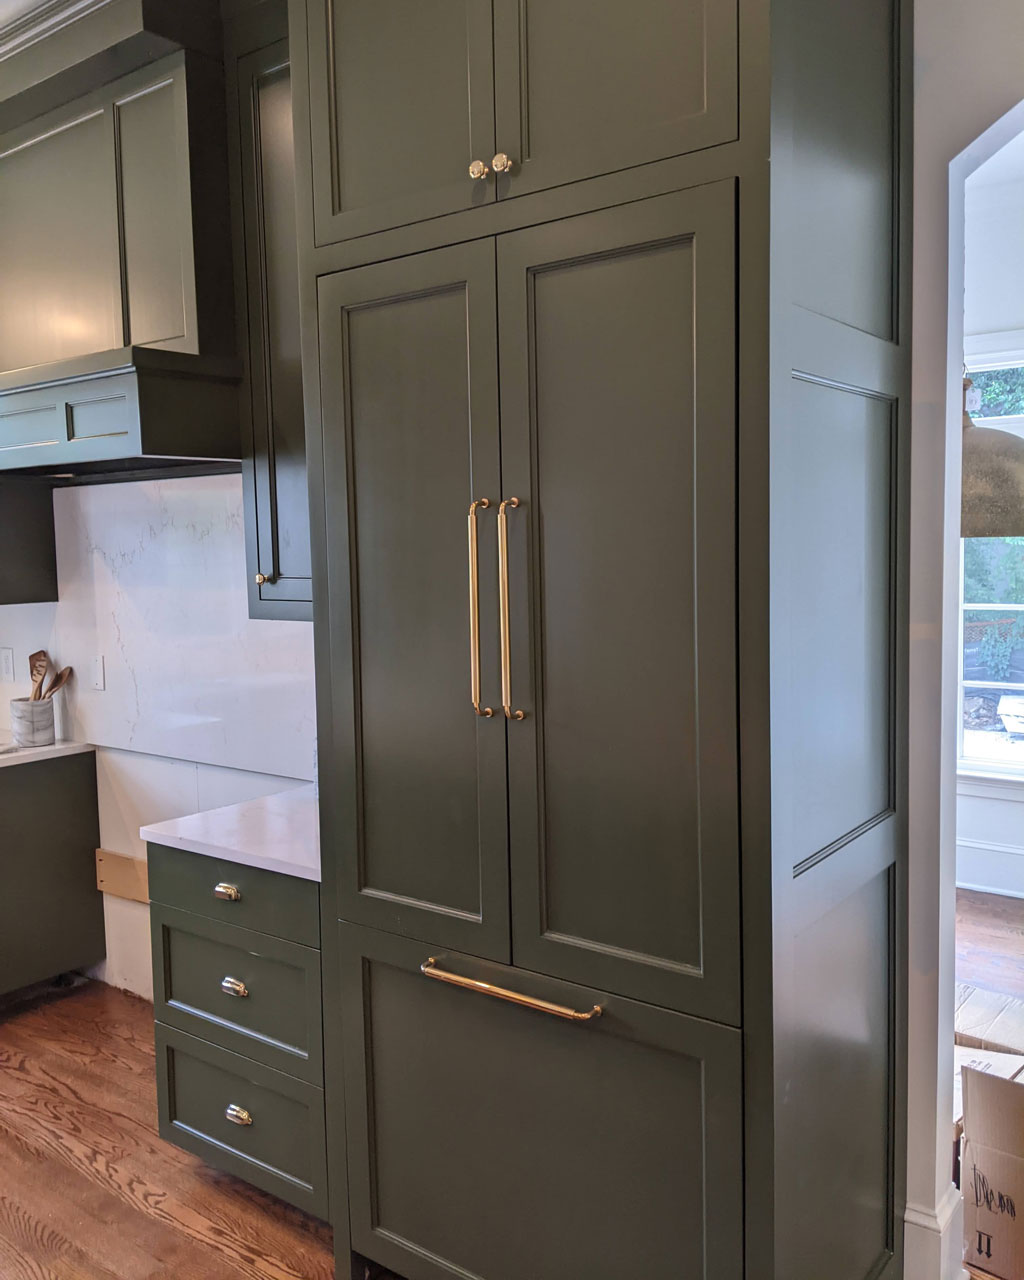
[994,258]
[969,71]
[990,835]
[203,706]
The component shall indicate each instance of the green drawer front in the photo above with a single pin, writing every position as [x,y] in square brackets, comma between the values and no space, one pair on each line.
[274,1015]
[282,1150]
[269,902]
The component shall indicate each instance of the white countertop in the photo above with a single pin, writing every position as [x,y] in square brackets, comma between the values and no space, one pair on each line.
[27,755]
[279,833]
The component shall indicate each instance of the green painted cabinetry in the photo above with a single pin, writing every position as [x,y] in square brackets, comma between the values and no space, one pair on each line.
[263,201]
[239,1020]
[608,459]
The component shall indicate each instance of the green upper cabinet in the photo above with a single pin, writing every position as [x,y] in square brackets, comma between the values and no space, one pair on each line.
[113,222]
[401,103]
[409,99]
[584,89]
[263,191]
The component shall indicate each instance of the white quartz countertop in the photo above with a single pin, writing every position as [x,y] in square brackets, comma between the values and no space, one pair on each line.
[10,754]
[279,833]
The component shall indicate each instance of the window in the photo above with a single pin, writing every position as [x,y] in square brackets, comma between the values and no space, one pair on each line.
[1001,392]
[992,647]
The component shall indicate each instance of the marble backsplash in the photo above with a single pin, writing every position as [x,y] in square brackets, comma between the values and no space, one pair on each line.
[152,577]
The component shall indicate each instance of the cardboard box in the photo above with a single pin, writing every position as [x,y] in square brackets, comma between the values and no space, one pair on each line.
[1007,1065]
[992,1164]
[988,1020]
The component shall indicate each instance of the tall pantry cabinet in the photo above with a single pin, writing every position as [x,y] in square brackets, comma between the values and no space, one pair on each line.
[605,342]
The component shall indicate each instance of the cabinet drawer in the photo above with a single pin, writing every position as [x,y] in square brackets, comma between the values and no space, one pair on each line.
[493,1140]
[267,901]
[280,1147]
[245,991]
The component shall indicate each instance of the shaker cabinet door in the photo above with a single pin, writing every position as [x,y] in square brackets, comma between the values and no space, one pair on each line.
[401,103]
[505,1143]
[618,440]
[277,499]
[583,89]
[410,418]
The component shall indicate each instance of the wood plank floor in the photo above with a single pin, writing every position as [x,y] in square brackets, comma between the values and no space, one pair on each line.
[990,941]
[88,1191]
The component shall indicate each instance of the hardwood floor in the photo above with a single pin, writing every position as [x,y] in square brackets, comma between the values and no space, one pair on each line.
[88,1191]
[990,941]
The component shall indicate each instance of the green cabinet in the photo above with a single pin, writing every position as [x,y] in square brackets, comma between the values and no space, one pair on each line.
[492,1140]
[263,200]
[617,449]
[406,96]
[239,1020]
[26,520]
[113,223]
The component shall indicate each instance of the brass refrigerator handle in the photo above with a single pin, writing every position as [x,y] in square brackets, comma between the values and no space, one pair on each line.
[429,970]
[474,611]
[506,643]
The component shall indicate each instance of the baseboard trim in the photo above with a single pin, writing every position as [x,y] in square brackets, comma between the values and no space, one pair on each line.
[933,1240]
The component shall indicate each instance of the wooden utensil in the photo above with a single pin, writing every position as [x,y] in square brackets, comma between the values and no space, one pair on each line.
[38,665]
[58,682]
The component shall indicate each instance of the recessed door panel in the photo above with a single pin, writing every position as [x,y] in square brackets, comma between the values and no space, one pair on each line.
[411,441]
[584,89]
[501,1142]
[618,430]
[402,99]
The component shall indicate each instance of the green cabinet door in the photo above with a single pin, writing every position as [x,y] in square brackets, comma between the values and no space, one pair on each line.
[504,1143]
[618,440]
[277,498]
[584,89]
[410,418]
[401,103]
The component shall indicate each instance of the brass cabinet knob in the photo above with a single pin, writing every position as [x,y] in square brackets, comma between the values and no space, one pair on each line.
[237,1115]
[261,578]
[478,170]
[229,892]
[234,987]
[502,163]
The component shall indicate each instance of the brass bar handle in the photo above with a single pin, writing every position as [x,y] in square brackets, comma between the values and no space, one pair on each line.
[503,612]
[234,987]
[237,1114]
[474,612]
[429,969]
[229,892]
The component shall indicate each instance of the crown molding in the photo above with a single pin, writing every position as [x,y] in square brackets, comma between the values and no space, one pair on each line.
[44,20]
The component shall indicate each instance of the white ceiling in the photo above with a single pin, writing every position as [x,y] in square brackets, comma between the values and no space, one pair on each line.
[13,9]
[1007,165]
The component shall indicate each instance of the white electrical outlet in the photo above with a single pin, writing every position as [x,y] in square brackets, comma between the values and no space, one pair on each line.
[6,666]
[99,673]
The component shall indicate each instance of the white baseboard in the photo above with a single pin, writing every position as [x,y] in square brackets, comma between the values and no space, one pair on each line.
[990,867]
[933,1240]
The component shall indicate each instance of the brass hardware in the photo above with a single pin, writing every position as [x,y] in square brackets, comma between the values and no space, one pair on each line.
[474,612]
[237,1115]
[502,163]
[261,578]
[503,612]
[478,170]
[428,969]
[233,987]
[229,892]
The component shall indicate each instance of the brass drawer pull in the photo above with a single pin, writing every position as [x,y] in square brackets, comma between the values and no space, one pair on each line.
[428,969]
[503,612]
[229,892]
[237,1115]
[233,987]
[474,612]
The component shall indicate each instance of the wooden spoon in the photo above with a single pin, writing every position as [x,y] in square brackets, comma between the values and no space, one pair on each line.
[58,682]
[38,665]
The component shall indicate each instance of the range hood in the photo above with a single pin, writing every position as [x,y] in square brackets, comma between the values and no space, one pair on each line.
[138,410]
